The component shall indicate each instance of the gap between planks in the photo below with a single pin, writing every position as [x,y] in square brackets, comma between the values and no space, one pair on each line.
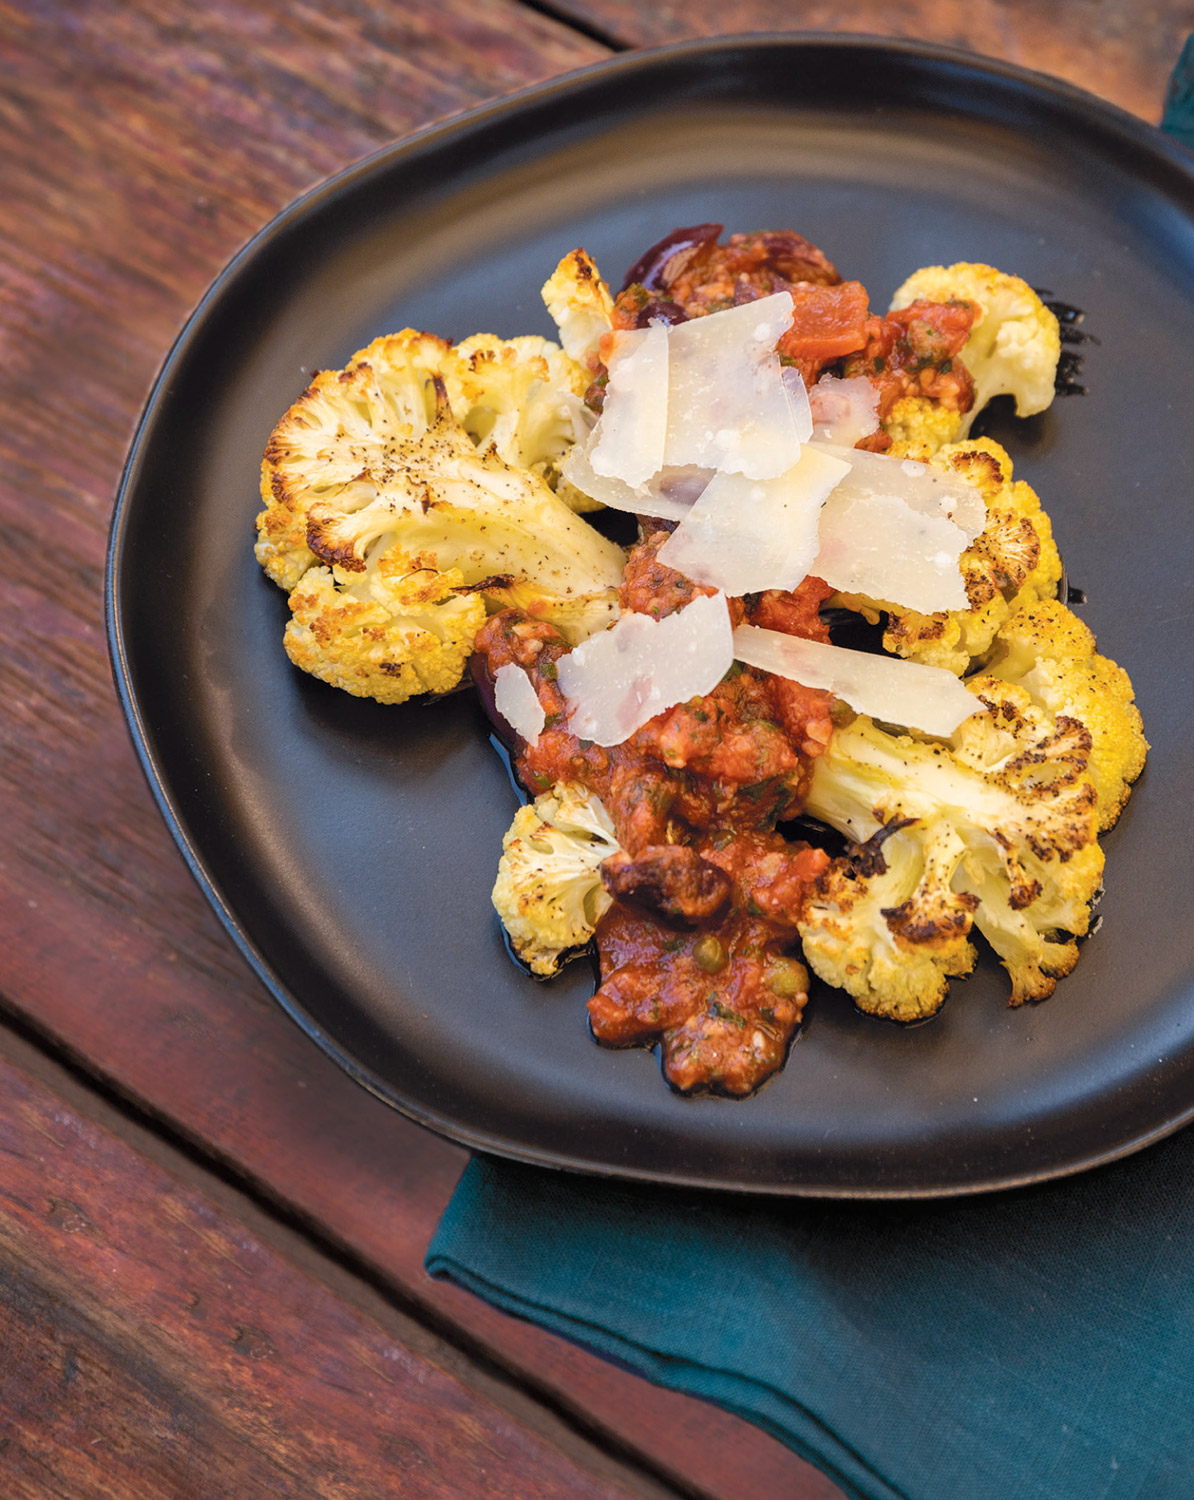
[564,17]
[590,1446]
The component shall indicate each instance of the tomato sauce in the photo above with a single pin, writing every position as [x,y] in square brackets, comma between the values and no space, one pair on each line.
[699,949]
[913,352]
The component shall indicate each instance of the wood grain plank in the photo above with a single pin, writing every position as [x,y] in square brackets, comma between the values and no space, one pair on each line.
[192,1038]
[155,1346]
[1120,49]
[139,146]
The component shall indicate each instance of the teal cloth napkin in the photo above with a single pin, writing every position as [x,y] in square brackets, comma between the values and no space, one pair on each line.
[1178,118]
[1034,1346]
[1037,1345]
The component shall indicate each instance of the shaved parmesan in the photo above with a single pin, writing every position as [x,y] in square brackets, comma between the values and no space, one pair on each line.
[630,435]
[878,546]
[515,698]
[744,535]
[895,531]
[680,486]
[924,489]
[682,403]
[897,692]
[619,679]
[728,407]
[668,495]
[801,407]
[844,411]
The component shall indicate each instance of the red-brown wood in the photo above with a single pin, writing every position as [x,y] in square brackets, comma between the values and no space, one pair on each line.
[1120,49]
[155,1347]
[138,147]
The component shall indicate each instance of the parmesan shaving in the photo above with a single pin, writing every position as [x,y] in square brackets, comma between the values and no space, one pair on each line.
[683,403]
[876,545]
[515,698]
[633,427]
[844,411]
[728,406]
[924,489]
[801,406]
[897,692]
[668,495]
[619,679]
[744,535]
[895,531]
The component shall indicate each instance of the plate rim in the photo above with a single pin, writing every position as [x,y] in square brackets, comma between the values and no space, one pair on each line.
[1139,133]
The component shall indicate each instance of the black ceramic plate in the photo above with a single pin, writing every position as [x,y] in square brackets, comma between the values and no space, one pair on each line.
[350,848]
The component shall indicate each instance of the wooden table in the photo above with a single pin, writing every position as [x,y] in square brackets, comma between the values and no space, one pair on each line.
[211,1241]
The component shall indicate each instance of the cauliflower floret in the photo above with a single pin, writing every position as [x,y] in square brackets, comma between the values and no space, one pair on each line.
[448,506]
[1037,947]
[548,891]
[883,924]
[1013,348]
[374,463]
[344,435]
[1049,652]
[918,426]
[576,616]
[386,633]
[1013,562]
[580,306]
[997,831]
[333,443]
[520,395]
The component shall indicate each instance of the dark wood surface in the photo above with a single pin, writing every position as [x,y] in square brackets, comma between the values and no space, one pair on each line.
[1122,50]
[155,1344]
[266,1329]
